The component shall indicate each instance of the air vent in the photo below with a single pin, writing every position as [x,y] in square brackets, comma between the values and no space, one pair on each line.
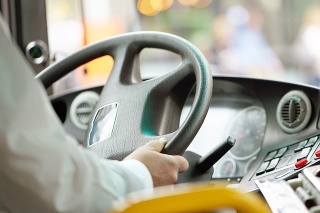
[82,108]
[294,111]
[291,112]
[84,111]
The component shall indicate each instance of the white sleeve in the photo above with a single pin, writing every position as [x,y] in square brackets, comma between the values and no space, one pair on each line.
[41,168]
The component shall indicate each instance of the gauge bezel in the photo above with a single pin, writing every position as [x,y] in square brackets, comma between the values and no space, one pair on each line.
[220,167]
[236,119]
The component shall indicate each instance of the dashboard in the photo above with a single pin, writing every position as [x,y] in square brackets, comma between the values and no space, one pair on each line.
[276,125]
[240,116]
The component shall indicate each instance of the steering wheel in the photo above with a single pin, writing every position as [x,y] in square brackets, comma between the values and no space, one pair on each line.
[130,111]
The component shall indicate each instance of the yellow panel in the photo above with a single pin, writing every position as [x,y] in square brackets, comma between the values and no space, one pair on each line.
[194,198]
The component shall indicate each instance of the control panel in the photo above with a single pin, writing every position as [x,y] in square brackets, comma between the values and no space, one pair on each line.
[288,160]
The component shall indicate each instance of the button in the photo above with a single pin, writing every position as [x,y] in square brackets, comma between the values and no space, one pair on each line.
[283,161]
[270,155]
[294,158]
[318,153]
[273,164]
[312,141]
[262,168]
[301,145]
[281,152]
[291,149]
[304,153]
[301,163]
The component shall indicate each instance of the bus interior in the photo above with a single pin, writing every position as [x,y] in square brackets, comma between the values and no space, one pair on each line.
[194,72]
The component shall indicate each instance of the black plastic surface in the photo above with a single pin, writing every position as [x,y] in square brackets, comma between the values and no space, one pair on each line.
[193,174]
[230,91]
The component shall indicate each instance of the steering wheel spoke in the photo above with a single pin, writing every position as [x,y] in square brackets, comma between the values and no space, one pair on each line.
[126,68]
[167,82]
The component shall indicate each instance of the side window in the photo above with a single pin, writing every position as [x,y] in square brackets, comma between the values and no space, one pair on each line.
[73,24]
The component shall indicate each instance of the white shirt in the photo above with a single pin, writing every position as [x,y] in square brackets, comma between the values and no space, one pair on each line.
[41,168]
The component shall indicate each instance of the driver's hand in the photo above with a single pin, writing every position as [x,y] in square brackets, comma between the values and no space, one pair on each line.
[164,168]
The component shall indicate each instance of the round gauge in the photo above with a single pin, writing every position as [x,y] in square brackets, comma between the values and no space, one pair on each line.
[227,168]
[248,127]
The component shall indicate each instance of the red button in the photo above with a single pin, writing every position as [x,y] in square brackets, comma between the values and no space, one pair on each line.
[301,163]
[318,153]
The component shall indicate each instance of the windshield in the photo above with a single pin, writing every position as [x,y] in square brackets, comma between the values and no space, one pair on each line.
[274,39]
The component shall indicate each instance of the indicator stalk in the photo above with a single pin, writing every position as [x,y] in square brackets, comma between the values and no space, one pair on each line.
[207,161]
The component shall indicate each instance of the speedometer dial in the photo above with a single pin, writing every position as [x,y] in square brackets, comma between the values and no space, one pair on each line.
[248,127]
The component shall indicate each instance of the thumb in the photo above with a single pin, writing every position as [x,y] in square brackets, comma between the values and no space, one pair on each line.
[156,145]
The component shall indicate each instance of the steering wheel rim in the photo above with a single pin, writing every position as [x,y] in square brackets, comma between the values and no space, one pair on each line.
[149,99]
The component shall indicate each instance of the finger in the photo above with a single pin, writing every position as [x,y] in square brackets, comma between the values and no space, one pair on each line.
[156,145]
[183,164]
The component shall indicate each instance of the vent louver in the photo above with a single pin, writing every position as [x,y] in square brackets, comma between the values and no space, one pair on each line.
[82,108]
[84,111]
[294,111]
[291,111]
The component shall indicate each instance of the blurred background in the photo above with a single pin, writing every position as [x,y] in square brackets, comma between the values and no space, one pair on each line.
[274,39]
